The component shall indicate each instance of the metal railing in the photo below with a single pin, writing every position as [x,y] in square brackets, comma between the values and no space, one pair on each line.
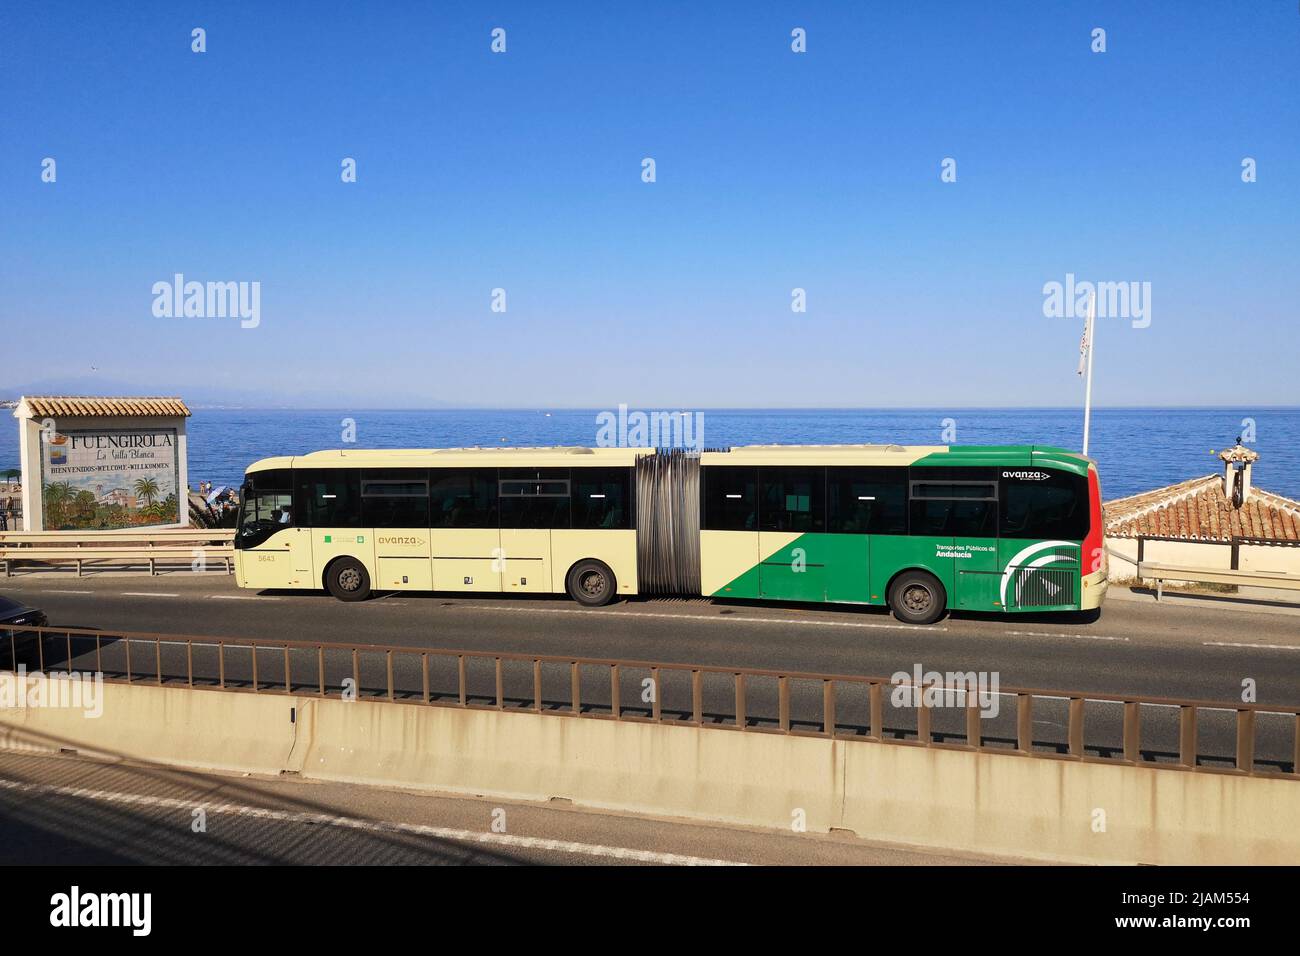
[836,706]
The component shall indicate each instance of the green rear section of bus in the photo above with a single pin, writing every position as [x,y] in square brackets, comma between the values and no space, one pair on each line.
[1005,567]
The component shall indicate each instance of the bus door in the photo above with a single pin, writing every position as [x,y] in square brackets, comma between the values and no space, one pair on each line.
[395,507]
[866,517]
[533,501]
[792,536]
[299,544]
[729,549]
[465,538]
[976,565]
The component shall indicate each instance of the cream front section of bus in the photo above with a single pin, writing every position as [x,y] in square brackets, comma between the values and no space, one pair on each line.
[282,561]
[467,559]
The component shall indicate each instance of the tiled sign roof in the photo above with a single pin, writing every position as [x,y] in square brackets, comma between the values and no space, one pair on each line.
[56,406]
[1198,511]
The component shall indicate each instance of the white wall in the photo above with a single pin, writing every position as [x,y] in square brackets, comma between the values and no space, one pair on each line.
[1199,555]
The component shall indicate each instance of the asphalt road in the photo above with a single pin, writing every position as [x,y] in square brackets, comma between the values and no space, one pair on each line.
[1203,652]
[75,811]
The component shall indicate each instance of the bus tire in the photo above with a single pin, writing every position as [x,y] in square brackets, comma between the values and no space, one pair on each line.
[347,580]
[591,583]
[917,597]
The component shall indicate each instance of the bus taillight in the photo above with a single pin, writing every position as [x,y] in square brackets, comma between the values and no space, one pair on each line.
[1094,545]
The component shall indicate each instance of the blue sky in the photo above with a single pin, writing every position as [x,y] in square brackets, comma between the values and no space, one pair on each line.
[775,170]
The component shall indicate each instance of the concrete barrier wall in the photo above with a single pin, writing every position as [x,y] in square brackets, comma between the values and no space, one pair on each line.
[978,802]
[203,729]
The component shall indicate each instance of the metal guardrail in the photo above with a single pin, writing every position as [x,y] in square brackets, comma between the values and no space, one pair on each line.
[74,538]
[452,669]
[122,547]
[1160,573]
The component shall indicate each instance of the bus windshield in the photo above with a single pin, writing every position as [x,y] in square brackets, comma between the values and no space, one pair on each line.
[265,507]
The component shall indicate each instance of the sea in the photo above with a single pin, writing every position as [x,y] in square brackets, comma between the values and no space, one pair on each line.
[1137,449]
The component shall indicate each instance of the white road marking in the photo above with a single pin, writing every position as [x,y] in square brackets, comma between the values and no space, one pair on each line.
[147,594]
[725,618]
[1267,647]
[1085,637]
[369,826]
[61,591]
[240,597]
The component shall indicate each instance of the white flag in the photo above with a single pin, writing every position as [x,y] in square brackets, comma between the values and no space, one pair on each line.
[1085,343]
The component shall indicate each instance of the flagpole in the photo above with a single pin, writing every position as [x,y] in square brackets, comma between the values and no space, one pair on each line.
[1087,391]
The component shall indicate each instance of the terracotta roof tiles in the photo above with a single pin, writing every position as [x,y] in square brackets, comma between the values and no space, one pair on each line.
[1198,511]
[56,406]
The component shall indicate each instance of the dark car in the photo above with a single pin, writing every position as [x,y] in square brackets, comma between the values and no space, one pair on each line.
[12,616]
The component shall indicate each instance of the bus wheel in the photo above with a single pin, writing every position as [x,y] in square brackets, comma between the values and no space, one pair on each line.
[917,598]
[347,580]
[591,583]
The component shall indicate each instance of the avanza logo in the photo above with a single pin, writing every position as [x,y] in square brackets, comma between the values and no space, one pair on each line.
[1026,475]
[399,539]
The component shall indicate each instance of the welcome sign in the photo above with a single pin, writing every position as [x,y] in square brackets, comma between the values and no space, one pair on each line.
[113,478]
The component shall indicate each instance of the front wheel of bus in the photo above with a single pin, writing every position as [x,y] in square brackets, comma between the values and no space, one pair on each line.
[917,598]
[347,580]
[591,583]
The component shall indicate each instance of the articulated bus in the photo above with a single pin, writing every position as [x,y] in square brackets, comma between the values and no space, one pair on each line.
[920,529]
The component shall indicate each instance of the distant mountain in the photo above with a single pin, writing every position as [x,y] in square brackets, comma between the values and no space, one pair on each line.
[207,396]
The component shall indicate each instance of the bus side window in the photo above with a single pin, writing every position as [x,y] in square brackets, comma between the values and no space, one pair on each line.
[395,498]
[600,497]
[956,508]
[792,499]
[866,500]
[535,498]
[464,498]
[730,498]
[329,497]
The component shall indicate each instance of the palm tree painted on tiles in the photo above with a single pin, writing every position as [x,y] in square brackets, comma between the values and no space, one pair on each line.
[147,490]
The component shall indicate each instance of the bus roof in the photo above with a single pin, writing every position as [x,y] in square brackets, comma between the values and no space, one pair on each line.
[1014,456]
[559,457]
[1006,456]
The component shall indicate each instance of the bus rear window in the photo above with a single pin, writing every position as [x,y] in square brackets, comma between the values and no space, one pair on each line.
[1054,506]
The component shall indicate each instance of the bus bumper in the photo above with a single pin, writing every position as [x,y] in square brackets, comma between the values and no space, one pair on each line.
[1094,590]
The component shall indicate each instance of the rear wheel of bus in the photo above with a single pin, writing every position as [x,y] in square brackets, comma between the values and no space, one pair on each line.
[917,597]
[591,583]
[347,580]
